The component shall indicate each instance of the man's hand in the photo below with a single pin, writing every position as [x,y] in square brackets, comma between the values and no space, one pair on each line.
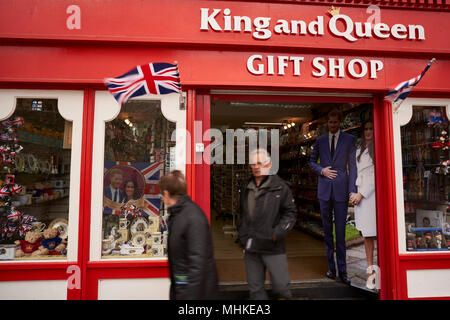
[329,173]
[356,198]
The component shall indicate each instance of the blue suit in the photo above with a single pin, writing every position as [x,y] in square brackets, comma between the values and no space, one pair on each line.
[334,193]
[107,193]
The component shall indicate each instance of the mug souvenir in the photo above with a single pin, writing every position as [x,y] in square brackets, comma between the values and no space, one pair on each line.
[106,246]
[39,226]
[123,223]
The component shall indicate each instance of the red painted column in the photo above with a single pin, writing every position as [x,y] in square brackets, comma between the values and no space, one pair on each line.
[202,167]
[190,143]
[387,239]
[85,191]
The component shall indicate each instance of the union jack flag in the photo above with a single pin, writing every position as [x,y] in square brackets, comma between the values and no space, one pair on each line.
[151,196]
[154,78]
[401,92]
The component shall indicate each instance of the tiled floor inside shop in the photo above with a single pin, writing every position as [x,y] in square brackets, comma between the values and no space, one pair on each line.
[306,257]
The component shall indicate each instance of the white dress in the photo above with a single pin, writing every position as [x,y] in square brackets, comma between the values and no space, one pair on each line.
[365,211]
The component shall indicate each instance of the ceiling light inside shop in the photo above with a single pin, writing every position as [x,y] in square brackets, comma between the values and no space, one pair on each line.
[270,105]
[265,123]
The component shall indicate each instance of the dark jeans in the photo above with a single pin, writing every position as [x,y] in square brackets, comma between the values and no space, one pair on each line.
[256,264]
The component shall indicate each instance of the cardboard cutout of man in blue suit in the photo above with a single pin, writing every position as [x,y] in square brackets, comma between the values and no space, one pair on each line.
[337,176]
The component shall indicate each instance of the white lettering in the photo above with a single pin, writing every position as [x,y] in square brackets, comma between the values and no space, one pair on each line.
[195,310]
[270,65]
[247,23]
[362,66]
[209,20]
[294,27]
[420,32]
[282,26]
[316,27]
[250,65]
[340,25]
[375,66]
[296,61]
[227,19]
[397,29]
[250,309]
[348,27]
[333,66]
[282,64]
[317,63]
[366,33]
[261,26]
[379,28]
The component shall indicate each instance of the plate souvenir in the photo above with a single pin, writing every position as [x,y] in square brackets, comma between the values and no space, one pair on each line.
[62,226]
[20,163]
[139,239]
[138,225]
[32,163]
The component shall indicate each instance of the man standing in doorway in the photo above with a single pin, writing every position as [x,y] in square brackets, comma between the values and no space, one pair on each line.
[337,176]
[113,191]
[268,213]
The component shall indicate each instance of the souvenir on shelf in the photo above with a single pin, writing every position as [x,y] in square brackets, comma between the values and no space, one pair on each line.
[9,147]
[435,118]
[22,233]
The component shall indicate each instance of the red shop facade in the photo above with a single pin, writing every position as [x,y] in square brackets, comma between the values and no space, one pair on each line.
[59,52]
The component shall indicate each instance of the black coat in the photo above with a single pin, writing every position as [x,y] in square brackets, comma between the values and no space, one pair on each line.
[275,214]
[193,271]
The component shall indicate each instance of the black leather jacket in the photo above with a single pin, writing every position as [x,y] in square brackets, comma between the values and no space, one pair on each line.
[193,271]
[275,214]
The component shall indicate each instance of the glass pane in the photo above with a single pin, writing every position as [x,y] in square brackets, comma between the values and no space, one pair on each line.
[310,246]
[425,154]
[35,154]
[137,152]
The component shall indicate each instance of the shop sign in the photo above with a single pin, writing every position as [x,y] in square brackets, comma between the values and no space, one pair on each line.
[340,25]
[330,67]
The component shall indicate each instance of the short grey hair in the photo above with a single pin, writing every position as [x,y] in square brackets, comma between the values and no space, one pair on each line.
[260,151]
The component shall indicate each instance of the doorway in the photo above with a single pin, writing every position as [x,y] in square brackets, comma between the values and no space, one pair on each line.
[299,122]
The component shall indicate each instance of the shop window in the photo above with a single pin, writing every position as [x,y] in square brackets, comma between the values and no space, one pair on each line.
[138,151]
[36,152]
[301,126]
[425,158]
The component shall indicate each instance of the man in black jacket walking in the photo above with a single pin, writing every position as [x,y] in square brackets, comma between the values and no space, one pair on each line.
[193,271]
[268,213]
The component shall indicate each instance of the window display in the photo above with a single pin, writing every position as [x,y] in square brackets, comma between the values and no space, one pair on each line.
[425,155]
[34,194]
[137,152]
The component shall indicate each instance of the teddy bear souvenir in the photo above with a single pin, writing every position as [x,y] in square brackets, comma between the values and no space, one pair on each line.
[30,245]
[52,244]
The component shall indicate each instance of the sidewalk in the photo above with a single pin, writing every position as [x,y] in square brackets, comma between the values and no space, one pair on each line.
[357,264]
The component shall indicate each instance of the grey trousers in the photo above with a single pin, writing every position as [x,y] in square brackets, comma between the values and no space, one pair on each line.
[256,264]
